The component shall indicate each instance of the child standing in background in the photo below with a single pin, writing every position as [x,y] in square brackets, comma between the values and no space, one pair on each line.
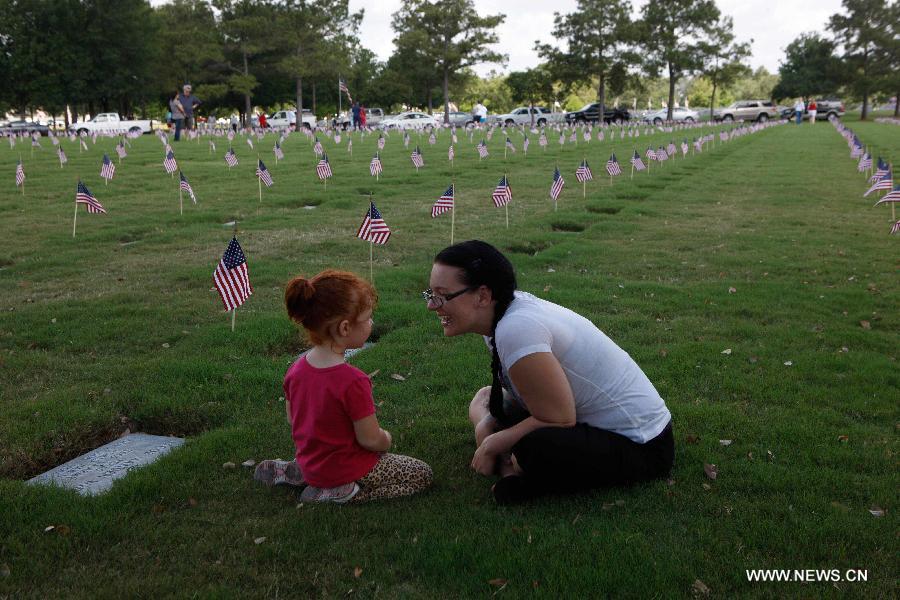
[341,449]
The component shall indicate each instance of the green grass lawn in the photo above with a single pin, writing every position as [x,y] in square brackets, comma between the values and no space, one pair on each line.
[762,246]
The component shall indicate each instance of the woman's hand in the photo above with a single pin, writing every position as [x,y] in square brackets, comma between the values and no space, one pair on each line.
[484,461]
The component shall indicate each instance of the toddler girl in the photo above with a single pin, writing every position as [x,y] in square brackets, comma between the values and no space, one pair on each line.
[341,450]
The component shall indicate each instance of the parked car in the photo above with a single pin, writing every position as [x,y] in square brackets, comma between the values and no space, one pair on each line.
[522,116]
[111,122]
[288,118]
[747,110]
[374,115]
[825,109]
[408,120]
[679,115]
[17,127]
[591,112]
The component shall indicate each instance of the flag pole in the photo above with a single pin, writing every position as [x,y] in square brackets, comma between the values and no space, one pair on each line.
[584,179]
[180,201]
[258,178]
[23,170]
[371,260]
[506,206]
[75,218]
[233,313]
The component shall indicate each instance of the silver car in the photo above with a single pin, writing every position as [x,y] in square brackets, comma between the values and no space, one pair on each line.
[747,110]
[679,115]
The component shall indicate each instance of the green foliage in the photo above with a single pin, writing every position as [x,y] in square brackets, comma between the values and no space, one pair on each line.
[810,68]
[722,60]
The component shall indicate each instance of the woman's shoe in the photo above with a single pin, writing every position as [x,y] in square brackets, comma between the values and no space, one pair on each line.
[279,472]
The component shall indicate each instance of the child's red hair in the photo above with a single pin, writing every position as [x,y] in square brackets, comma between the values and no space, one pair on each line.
[328,298]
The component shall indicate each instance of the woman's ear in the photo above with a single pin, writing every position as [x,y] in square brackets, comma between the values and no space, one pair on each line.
[485,296]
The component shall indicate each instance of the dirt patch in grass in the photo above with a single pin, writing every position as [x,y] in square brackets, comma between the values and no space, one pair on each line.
[605,210]
[531,248]
[567,226]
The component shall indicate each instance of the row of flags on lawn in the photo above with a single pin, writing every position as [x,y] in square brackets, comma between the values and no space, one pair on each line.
[881,178]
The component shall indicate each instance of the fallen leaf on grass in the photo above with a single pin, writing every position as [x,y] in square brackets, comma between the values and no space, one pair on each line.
[663,353]
[497,582]
[865,325]
[374,373]
[49,528]
[706,487]
[788,363]
[166,345]
[877,511]
[845,349]
[691,438]
[192,502]
[711,470]
[726,351]
[547,288]
[843,438]
[770,455]
[699,588]
[248,463]
[731,290]
[725,442]
[228,465]
[357,572]
[259,540]
[398,377]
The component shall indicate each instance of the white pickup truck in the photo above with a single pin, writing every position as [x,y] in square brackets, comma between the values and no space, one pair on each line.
[111,123]
[288,118]
[522,116]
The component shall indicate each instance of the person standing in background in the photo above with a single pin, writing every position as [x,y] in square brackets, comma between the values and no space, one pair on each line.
[188,103]
[799,107]
[177,110]
[362,116]
[813,109]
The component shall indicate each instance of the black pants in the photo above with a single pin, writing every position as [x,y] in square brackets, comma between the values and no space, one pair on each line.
[568,459]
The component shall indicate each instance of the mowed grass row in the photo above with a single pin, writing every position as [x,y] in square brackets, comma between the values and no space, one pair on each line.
[776,216]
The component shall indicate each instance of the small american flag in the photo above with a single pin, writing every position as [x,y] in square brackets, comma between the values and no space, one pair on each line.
[670,149]
[375,165]
[542,141]
[406,139]
[895,228]
[612,166]
[892,196]
[231,278]
[600,136]
[380,142]
[20,174]
[212,146]
[120,150]
[168,149]
[557,186]
[444,203]
[35,140]
[373,228]
[337,138]
[451,152]
[587,135]
[651,154]
[502,194]
[636,161]
[416,157]
[83,144]
[63,159]
[84,196]
[573,138]
[184,185]
[108,170]
[169,163]
[279,153]
[880,170]
[865,162]
[263,173]
[723,136]
[482,149]
[698,145]
[317,147]
[583,172]
[661,154]
[510,146]
[231,158]
[230,136]
[684,148]
[432,139]
[250,143]
[562,138]
[526,144]
[323,168]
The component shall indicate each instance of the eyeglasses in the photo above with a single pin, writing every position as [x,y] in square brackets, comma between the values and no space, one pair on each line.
[438,300]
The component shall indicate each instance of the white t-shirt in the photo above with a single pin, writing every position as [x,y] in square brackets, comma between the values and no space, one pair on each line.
[480,110]
[610,390]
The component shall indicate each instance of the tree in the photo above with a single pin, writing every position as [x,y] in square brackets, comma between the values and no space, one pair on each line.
[810,68]
[722,58]
[530,85]
[671,32]
[598,36]
[887,56]
[861,28]
[450,35]
[193,46]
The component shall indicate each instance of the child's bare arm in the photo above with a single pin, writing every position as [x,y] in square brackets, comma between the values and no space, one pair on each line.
[370,436]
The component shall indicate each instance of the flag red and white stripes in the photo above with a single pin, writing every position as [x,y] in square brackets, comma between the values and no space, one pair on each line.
[612,166]
[323,168]
[373,228]
[20,174]
[583,172]
[108,169]
[231,277]
[375,165]
[416,158]
[184,185]
[84,196]
[231,158]
[263,173]
[502,194]
[444,203]
[169,163]
[636,161]
[557,186]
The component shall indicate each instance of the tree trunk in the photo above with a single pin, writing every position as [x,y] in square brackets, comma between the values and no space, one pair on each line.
[712,100]
[531,111]
[446,96]
[428,95]
[314,97]
[601,97]
[299,103]
[897,104]
[671,93]
[66,115]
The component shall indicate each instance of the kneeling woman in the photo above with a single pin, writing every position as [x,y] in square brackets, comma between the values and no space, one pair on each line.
[568,409]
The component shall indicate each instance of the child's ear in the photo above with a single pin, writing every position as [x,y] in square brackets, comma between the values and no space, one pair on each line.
[344,328]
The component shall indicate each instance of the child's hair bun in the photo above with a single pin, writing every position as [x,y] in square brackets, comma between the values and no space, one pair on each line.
[298,297]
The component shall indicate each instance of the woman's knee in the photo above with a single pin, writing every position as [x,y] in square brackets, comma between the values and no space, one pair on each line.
[478,407]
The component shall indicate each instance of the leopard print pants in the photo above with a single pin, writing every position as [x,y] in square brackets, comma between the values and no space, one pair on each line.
[393,476]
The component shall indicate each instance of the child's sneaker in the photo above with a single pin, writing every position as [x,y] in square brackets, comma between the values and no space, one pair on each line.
[339,495]
[279,472]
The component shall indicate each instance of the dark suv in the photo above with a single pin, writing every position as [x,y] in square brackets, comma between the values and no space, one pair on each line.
[825,109]
[591,112]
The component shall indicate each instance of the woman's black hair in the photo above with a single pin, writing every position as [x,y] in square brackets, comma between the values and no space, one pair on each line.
[482,264]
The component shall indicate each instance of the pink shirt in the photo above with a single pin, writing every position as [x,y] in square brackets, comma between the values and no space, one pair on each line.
[323,404]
